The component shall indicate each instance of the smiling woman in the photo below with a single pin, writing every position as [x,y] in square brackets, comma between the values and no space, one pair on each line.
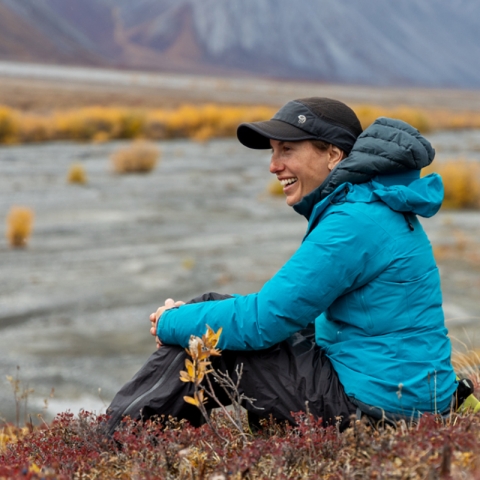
[353,322]
[301,167]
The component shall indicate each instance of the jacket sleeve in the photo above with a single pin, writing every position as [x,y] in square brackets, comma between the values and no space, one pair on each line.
[345,251]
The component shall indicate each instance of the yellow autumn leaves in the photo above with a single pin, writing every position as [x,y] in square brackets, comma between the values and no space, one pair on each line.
[200,350]
[199,122]
[101,124]
[19,226]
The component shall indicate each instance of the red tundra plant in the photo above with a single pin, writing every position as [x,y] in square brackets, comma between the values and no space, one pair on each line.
[76,447]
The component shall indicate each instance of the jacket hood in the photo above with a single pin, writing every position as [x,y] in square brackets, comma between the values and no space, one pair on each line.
[422,196]
[387,148]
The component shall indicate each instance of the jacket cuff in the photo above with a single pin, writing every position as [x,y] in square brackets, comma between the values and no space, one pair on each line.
[163,326]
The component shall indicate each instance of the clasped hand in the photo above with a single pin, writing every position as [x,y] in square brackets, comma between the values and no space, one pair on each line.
[154,317]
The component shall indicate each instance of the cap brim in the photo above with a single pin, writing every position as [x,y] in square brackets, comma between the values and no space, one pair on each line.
[258,134]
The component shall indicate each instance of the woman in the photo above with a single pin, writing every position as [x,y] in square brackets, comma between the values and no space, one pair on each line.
[364,276]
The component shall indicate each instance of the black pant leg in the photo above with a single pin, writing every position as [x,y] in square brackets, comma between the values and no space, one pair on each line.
[282,378]
[156,389]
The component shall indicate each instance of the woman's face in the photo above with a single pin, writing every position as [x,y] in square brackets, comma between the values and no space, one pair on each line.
[300,167]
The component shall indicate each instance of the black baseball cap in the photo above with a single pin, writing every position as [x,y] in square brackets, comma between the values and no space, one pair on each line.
[314,118]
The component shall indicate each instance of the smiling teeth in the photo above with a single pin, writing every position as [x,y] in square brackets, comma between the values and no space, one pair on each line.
[287,181]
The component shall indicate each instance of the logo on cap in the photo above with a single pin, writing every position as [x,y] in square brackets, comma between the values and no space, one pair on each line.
[302,119]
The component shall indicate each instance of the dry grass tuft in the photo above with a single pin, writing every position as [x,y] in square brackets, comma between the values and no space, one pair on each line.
[100,124]
[9,125]
[204,134]
[34,128]
[92,123]
[367,114]
[225,447]
[461,182]
[139,157]
[435,448]
[196,121]
[77,174]
[19,226]
[467,364]
[423,119]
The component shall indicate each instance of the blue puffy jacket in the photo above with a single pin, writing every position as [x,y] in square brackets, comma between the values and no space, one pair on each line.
[364,273]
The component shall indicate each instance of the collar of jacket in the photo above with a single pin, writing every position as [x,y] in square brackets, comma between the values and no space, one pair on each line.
[307,203]
[314,208]
[386,147]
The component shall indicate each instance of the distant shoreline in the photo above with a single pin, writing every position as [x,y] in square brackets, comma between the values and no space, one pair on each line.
[30,86]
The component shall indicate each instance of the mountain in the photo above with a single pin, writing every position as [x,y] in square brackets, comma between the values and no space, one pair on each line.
[433,43]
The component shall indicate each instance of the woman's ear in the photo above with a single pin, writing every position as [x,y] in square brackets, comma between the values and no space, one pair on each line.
[335,156]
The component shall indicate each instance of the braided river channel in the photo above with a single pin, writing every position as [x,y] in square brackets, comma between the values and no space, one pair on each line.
[74,304]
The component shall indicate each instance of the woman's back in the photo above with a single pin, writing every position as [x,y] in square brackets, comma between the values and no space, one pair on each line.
[388,335]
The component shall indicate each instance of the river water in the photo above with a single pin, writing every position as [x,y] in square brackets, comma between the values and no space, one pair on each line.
[74,304]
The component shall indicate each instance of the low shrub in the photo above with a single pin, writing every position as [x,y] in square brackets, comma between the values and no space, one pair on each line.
[275,187]
[85,123]
[461,182]
[208,121]
[74,447]
[156,125]
[35,128]
[454,120]
[77,174]
[414,116]
[9,125]
[139,157]
[224,447]
[19,226]
[203,134]
[200,122]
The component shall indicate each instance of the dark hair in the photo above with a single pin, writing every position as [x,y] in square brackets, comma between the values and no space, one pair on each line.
[320,145]
[324,146]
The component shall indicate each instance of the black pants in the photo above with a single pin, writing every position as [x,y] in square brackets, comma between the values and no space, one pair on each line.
[281,379]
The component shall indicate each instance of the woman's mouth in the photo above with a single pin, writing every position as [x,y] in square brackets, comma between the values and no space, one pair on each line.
[287,182]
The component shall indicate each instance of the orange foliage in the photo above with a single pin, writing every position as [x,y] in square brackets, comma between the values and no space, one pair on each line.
[140,157]
[77,174]
[19,226]
[461,182]
[200,122]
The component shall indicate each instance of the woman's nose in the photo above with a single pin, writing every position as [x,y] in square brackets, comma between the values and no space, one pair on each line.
[275,164]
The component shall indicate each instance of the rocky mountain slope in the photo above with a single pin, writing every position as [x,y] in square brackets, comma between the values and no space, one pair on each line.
[432,43]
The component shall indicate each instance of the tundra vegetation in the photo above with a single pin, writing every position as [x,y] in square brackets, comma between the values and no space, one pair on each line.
[77,174]
[199,122]
[204,122]
[224,447]
[19,226]
[139,157]
[461,183]
[73,446]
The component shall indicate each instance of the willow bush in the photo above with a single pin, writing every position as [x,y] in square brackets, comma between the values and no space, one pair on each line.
[461,182]
[19,226]
[199,122]
[164,448]
[77,174]
[9,125]
[139,157]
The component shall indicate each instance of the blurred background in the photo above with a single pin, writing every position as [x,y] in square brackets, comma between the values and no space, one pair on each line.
[122,183]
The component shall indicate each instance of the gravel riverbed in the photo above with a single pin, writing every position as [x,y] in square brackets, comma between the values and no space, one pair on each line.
[74,304]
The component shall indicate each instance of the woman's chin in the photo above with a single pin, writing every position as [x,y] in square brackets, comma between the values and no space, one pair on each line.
[291,200]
